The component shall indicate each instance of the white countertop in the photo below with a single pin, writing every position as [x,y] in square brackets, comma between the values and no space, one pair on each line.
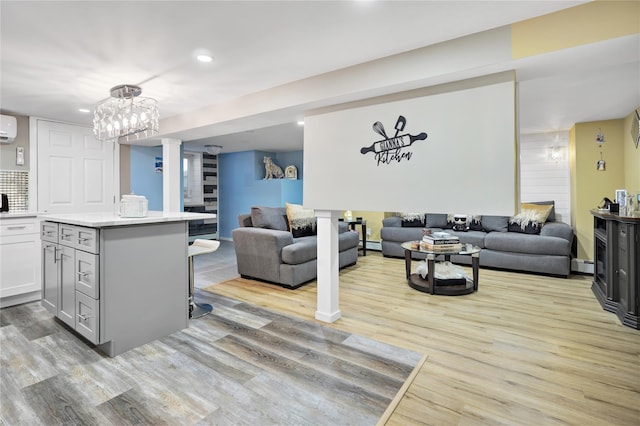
[106,219]
[13,215]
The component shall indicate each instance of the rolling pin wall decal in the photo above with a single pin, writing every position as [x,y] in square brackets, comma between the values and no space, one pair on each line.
[390,150]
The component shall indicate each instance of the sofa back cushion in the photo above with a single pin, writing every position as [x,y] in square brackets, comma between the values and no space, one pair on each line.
[269,218]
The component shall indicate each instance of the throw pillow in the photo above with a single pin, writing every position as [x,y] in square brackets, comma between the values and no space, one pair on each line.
[495,223]
[412,220]
[530,219]
[436,220]
[474,222]
[552,213]
[269,218]
[302,222]
[458,222]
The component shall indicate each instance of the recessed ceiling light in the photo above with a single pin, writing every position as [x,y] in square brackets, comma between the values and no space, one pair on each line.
[84,110]
[204,58]
[301,123]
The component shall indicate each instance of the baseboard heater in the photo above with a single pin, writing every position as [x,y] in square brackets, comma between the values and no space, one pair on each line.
[582,266]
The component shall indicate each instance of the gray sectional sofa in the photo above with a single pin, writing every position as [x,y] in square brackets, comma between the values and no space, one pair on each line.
[548,252]
[267,250]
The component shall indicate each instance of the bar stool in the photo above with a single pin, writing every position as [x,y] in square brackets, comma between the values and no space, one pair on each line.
[198,247]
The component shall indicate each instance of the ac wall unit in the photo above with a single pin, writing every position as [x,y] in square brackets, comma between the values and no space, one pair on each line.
[8,127]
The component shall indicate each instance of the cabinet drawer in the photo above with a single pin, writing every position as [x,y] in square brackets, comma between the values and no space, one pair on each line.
[87,317]
[18,227]
[67,235]
[87,274]
[79,237]
[49,231]
[87,239]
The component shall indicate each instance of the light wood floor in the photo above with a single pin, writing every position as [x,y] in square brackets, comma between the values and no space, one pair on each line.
[526,349]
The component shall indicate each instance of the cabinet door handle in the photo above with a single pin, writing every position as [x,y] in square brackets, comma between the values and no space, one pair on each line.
[64,236]
[82,240]
[83,317]
[15,228]
[83,274]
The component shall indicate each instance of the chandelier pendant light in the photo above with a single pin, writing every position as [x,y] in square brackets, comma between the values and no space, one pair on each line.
[126,116]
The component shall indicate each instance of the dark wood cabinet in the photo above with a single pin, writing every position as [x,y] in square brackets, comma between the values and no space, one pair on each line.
[616,278]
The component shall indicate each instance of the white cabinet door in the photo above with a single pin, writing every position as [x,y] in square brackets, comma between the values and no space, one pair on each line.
[19,264]
[75,171]
[19,260]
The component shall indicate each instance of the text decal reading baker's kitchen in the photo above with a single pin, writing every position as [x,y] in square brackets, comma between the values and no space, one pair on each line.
[392,150]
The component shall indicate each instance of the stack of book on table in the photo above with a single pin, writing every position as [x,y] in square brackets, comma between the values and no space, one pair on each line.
[440,241]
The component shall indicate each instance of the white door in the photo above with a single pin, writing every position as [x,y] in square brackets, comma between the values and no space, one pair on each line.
[75,170]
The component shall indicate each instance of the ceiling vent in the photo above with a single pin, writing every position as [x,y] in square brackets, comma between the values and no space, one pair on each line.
[8,127]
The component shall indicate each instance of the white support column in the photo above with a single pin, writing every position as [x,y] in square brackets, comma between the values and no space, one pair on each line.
[171,178]
[328,266]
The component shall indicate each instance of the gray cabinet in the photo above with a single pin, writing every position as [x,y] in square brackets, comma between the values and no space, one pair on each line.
[616,282]
[66,285]
[70,276]
[50,276]
[118,286]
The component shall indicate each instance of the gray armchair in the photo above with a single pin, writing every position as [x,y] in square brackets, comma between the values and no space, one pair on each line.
[271,253]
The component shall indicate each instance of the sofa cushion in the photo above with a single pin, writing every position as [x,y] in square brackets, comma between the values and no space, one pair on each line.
[531,244]
[436,220]
[269,218]
[348,240]
[302,250]
[495,223]
[305,248]
[399,234]
[471,237]
[302,222]
[413,220]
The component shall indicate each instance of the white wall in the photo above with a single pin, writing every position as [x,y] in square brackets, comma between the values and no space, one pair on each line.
[543,178]
[468,158]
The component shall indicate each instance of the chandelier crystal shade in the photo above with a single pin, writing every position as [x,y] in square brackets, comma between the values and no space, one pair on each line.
[126,116]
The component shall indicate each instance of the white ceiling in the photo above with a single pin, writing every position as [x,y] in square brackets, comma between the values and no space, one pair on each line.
[59,56]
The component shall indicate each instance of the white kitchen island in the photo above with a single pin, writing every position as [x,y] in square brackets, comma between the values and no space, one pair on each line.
[118,282]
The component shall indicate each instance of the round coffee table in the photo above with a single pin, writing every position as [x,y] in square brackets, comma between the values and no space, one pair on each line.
[446,287]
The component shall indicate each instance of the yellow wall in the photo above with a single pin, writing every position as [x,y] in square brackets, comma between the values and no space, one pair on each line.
[631,156]
[587,23]
[374,222]
[588,185]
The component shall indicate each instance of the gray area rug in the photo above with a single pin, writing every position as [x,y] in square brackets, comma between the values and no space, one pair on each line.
[240,365]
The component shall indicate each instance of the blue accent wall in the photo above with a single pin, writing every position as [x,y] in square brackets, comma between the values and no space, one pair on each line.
[144,179]
[241,185]
[241,182]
